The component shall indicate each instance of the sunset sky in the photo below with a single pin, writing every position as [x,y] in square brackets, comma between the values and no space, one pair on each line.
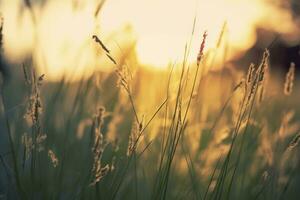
[160,28]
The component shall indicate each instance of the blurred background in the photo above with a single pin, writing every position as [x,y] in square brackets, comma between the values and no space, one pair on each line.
[56,34]
[56,76]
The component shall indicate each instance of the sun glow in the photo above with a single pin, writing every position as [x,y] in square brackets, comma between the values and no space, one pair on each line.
[60,41]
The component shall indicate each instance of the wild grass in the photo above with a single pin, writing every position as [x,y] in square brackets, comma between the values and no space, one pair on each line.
[187,133]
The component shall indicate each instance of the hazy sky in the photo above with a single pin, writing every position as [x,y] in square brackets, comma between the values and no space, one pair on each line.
[161,28]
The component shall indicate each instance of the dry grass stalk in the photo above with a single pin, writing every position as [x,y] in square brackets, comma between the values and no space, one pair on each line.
[123,78]
[34,108]
[201,50]
[261,71]
[124,81]
[107,52]
[132,139]
[250,74]
[289,80]
[99,7]
[98,171]
[35,141]
[222,33]
[258,77]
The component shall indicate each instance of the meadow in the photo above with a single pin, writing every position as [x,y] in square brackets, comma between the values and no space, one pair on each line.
[185,132]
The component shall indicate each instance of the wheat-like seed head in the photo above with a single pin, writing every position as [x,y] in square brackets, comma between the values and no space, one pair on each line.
[258,77]
[261,71]
[289,80]
[201,50]
[250,74]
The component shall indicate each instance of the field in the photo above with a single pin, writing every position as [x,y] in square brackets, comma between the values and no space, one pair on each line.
[130,132]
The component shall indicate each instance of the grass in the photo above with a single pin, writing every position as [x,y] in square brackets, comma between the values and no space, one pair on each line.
[186,133]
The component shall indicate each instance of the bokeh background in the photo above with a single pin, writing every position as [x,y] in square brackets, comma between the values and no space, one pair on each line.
[56,34]
[57,80]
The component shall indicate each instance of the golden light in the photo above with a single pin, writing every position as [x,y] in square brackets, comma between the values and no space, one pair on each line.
[64,38]
[61,40]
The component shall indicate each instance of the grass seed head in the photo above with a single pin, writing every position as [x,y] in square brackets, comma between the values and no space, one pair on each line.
[289,80]
[250,74]
[53,158]
[261,71]
[201,50]
[98,171]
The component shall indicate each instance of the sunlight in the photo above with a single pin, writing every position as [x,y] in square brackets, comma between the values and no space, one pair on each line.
[64,37]
[164,27]
[161,28]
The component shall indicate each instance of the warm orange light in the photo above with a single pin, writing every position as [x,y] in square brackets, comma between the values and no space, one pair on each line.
[161,28]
